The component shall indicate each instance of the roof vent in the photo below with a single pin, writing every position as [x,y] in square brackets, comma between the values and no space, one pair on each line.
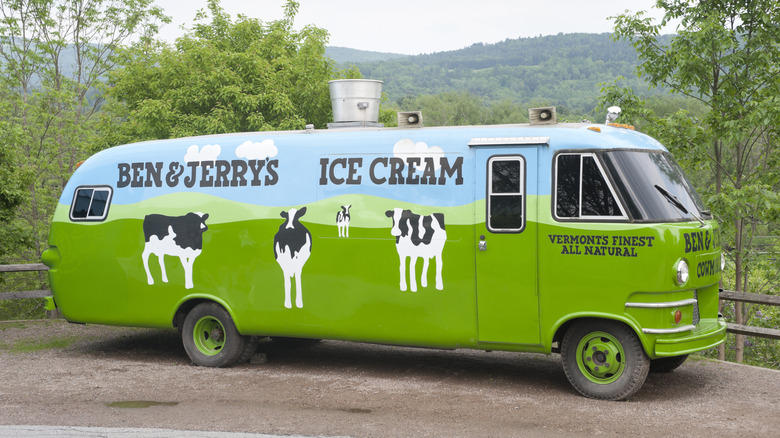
[542,116]
[355,102]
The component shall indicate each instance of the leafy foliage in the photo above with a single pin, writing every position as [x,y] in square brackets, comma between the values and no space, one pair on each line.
[225,76]
[725,56]
[13,185]
[51,74]
[450,109]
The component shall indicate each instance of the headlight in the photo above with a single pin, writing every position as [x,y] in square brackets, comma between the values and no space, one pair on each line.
[682,272]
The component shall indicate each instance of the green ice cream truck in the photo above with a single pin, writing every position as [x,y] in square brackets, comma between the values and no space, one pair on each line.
[585,240]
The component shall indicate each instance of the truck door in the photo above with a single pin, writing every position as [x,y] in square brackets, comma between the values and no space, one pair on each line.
[506,244]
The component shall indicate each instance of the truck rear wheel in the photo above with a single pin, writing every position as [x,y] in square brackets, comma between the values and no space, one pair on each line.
[211,339]
[667,364]
[604,359]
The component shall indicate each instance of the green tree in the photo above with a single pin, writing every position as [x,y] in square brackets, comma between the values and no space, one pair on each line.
[225,76]
[13,186]
[456,109]
[54,56]
[726,56]
[505,111]
[453,109]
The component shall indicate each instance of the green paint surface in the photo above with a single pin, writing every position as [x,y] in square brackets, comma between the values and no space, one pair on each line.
[513,296]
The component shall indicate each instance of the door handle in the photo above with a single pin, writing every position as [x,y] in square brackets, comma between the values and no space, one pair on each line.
[482,244]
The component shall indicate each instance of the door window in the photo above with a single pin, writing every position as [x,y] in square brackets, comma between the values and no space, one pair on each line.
[506,193]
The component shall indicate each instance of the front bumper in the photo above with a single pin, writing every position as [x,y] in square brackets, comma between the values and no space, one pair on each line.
[709,333]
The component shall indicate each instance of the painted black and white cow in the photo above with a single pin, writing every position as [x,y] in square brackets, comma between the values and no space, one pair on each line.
[292,247]
[416,237]
[342,220]
[178,236]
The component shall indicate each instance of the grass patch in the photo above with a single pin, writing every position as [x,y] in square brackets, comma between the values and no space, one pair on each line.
[5,325]
[31,345]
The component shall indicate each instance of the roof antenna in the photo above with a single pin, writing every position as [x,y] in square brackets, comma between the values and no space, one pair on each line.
[612,114]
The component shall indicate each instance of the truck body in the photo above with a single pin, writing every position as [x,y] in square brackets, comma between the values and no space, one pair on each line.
[490,237]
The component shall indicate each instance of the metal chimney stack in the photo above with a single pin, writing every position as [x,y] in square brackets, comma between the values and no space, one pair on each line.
[355,102]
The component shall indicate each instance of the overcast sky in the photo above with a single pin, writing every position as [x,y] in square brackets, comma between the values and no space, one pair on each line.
[424,26]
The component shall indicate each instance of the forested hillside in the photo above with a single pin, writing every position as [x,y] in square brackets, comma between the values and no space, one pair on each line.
[345,55]
[563,70]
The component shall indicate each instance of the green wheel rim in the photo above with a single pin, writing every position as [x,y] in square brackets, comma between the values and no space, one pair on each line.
[209,335]
[601,358]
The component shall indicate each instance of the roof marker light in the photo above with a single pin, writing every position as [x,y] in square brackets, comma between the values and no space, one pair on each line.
[621,125]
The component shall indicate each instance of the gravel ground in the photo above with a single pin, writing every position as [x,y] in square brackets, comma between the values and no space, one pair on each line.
[59,374]
[120,432]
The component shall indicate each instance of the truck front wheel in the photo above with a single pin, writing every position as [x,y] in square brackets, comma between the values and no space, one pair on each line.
[211,339]
[604,359]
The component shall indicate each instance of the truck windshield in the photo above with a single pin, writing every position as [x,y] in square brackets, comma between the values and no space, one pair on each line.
[653,186]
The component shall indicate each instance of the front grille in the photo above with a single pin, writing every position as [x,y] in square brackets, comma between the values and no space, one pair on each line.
[696,308]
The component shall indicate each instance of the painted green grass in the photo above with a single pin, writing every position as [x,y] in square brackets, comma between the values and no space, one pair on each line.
[367,211]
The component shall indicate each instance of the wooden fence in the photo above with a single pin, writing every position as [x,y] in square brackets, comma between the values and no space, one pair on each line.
[745,297]
[33,267]
[770,300]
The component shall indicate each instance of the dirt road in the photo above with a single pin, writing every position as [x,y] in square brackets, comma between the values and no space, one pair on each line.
[55,373]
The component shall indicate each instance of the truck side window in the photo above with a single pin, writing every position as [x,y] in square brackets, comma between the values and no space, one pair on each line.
[90,203]
[582,189]
[506,189]
[568,186]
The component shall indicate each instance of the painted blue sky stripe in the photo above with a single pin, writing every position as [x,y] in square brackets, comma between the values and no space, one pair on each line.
[305,166]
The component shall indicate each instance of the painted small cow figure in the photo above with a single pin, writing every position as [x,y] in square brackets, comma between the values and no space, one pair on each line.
[416,237]
[342,220]
[178,236]
[292,247]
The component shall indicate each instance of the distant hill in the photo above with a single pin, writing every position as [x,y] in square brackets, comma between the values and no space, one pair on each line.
[345,56]
[563,70]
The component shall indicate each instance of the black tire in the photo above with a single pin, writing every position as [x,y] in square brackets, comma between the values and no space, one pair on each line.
[249,349]
[211,339]
[667,364]
[604,359]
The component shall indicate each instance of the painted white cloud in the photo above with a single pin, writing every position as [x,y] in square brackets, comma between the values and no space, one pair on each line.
[252,150]
[208,152]
[407,148]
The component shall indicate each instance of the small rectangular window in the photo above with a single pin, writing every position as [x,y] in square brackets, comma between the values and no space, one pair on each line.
[506,189]
[582,189]
[81,204]
[90,203]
